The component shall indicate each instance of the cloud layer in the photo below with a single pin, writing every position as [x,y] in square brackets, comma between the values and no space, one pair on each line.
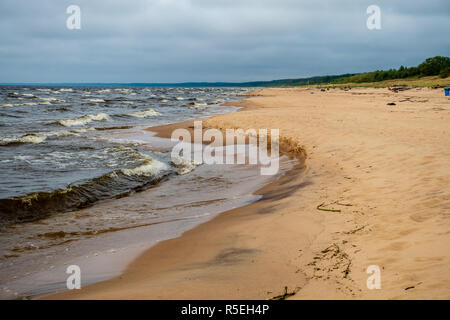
[214,40]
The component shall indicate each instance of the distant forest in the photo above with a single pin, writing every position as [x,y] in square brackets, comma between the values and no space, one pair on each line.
[430,67]
[437,66]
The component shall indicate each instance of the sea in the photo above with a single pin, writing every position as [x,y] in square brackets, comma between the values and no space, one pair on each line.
[83,182]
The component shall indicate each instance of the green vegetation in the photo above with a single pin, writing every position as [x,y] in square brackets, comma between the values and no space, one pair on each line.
[428,73]
[296,82]
[430,67]
[431,81]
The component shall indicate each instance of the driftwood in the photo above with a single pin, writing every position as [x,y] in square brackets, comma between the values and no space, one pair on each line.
[319,207]
[285,295]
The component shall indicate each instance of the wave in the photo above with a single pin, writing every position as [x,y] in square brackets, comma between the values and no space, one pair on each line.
[103,90]
[95,100]
[117,183]
[28,95]
[196,104]
[84,119]
[28,138]
[81,130]
[184,165]
[144,114]
[149,167]
[26,104]
[123,90]
[51,99]
[40,137]
[42,101]
[114,128]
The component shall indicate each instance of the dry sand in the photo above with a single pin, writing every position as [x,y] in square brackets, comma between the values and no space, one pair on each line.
[386,168]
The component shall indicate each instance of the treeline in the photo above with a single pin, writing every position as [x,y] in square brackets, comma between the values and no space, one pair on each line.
[436,66]
[297,82]
[430,67]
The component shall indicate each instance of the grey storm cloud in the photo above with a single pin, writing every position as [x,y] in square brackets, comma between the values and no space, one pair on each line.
[214,40]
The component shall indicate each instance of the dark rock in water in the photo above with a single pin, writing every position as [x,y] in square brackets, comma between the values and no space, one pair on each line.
[391,104]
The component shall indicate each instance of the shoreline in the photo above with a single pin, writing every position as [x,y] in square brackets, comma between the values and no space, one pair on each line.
[381,172]
[109,255]
[276,189]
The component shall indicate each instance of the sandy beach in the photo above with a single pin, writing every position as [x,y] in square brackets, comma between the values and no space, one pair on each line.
[372,187]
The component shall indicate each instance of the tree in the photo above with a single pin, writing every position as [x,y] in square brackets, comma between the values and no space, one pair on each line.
[433,66]
[445,73]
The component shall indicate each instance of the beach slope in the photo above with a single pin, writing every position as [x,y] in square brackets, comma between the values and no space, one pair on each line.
[374,190]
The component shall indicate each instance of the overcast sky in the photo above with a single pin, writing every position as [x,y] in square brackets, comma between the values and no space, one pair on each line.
[214,40]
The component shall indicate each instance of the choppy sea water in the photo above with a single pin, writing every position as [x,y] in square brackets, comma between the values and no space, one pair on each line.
[52,157]
[82,182]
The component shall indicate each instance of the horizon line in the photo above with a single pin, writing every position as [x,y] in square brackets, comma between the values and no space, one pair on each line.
[170,83]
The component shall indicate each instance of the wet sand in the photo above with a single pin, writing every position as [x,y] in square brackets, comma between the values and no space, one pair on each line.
[375,190]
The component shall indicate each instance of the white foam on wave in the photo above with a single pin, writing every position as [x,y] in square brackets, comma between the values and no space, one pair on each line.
[28,138]
[84,119]
[103,90]
[122,90]
[83,130]
[43,101]
[149,167]
[33,138]
[197,105]
[184,165]
[144,114]
[51,99]
[41,137]
[94,100]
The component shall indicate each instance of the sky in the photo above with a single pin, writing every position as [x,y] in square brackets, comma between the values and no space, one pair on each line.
[214,40]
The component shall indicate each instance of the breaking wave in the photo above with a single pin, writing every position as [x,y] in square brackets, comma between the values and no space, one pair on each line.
[144,114]
[40,137]
[197,104]
[27,138]
[84,119]
[117,183]
[184,165]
